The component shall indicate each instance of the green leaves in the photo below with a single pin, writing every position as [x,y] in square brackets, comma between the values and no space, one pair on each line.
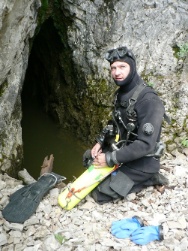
[183,50]
[185,142]
[60,238]
[151,84]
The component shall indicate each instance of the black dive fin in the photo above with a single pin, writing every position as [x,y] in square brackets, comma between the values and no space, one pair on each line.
[24,202]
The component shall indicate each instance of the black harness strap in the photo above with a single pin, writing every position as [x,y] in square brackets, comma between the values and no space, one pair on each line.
[131,114]
[132,101]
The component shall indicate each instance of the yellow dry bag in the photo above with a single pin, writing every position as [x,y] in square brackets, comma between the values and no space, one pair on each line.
[82,186]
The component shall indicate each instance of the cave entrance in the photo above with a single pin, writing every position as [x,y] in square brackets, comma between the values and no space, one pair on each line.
[42,134]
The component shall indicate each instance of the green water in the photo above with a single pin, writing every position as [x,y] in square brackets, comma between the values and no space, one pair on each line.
[42,137]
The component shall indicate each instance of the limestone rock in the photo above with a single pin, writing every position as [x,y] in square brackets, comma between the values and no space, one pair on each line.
[88,225]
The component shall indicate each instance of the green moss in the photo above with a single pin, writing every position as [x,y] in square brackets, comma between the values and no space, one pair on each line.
[43,11]
[3,87]
[147,77]
[176,50]
[99,88]
[16,163]
[181,51]
[61,22]
[185,125]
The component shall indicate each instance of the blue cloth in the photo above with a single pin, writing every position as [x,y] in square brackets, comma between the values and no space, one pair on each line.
[144,235]
[124,228]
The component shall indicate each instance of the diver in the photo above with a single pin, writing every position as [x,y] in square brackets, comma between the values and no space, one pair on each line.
[137,118]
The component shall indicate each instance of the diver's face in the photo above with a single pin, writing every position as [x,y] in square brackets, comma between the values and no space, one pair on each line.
[119,70]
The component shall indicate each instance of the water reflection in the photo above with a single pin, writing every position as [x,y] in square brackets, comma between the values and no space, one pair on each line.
[42,137]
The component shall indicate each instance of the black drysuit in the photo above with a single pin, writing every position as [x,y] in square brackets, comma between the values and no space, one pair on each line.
[136,169]
[149,110]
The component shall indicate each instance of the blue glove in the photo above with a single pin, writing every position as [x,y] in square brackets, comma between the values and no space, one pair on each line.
[144,235]
[124,228]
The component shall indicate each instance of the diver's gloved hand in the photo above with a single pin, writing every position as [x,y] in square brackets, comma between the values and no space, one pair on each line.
[87,158]
[111,158]
[124,228]
[144,235]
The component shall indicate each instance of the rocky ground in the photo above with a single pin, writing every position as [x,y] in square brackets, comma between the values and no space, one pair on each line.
[87,226]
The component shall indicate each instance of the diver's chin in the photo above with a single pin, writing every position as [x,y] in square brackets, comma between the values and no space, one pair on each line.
[120,83]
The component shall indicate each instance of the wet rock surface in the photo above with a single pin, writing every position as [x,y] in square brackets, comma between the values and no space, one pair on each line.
[87,226]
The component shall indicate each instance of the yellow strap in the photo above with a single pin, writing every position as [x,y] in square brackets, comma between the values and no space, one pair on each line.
[117,138]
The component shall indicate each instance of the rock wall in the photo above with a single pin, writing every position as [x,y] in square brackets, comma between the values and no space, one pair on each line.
[154,30]
[18,21]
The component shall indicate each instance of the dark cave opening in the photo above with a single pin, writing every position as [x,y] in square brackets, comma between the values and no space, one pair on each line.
[42,134]
[43,69]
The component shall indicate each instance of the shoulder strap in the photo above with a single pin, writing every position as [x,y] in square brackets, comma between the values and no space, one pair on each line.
[132,101]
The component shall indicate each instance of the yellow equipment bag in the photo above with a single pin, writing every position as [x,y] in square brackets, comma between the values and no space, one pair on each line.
[82,186]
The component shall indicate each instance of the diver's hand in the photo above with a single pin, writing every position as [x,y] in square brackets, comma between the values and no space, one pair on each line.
[96,150]
[100,161]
